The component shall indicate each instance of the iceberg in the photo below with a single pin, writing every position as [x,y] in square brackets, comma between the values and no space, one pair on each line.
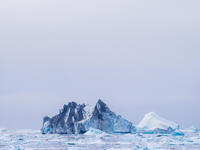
[68,121]
[78,119]
[106,120]
[152,123]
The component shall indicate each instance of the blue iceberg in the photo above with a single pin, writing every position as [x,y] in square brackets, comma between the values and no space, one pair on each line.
[78,119]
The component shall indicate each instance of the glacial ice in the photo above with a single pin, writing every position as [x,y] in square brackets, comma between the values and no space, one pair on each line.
[152,123]
[106,120]
[78,119]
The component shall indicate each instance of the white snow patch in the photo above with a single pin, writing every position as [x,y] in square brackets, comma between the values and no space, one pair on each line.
[66,116]
[93,131]
[88,112]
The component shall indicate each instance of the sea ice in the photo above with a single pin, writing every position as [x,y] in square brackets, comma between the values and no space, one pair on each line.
[96,140]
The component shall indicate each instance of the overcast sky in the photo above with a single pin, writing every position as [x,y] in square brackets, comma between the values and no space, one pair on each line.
[137,56]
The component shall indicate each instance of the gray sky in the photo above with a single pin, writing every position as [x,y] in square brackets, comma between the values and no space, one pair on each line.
[137,56]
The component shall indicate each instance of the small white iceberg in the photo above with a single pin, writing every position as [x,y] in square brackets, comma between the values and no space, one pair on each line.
[152,123]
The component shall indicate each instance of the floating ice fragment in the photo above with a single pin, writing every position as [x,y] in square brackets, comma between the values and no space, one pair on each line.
[2,130]
[192,129]
[93,131]
[177,133]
